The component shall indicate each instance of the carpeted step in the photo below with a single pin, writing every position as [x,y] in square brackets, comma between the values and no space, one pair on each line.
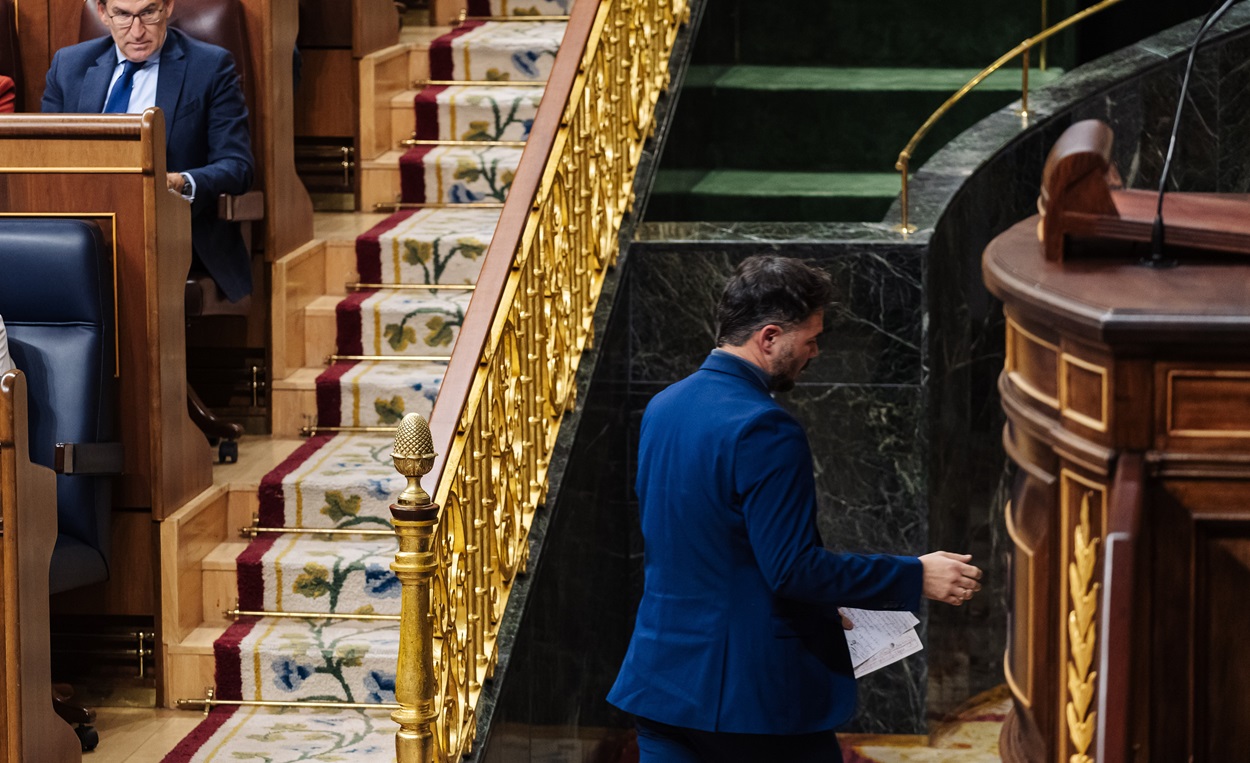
[963,33]
[338,481]
[497,51]
[467,112]
[348,481]
[299,573]
[457,174]
[287,735]
[744,195]
[825,119]
[376,393]
[519,7]
[401,322]
[293,660]
[443,246]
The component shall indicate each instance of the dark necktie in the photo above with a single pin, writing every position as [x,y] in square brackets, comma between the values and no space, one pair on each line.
[119,98]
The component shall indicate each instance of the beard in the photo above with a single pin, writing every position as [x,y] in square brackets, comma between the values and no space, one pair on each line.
[780,383]
[784,374]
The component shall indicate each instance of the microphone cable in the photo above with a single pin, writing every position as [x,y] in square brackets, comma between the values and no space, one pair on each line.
[1156,233]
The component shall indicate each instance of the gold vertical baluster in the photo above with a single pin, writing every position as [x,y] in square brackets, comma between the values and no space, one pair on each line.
[414,516]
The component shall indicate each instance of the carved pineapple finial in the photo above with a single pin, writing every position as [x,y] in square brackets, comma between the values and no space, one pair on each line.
[413,455]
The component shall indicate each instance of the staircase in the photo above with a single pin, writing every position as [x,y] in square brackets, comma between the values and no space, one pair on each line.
[310,603]
[797,111]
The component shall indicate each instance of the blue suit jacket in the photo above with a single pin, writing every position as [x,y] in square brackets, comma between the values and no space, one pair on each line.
[205,134]
[738,629]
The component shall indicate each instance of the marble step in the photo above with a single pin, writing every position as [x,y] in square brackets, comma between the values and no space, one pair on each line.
[814,118]
[745,195]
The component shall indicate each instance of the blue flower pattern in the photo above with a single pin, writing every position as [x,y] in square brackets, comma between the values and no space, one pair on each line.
[380,489]
[381,686]
[460,194]
[381,582]
[289,674]
[525,61]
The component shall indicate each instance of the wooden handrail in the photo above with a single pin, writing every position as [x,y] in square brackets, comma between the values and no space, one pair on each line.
[497,265]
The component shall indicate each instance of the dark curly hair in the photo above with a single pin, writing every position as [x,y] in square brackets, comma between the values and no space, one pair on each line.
[769,290]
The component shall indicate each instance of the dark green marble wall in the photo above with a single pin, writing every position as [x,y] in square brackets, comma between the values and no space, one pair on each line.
[901,407]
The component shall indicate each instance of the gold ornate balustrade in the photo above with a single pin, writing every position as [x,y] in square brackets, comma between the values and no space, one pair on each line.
[511,377]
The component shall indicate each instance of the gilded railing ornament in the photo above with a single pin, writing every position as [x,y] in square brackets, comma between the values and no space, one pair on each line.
[414,516]
[495,473]
[1082,634]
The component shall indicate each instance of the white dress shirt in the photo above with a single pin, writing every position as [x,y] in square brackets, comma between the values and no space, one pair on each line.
[6,361]
[143,95]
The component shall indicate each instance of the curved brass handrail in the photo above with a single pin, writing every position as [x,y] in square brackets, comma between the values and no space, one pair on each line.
[1022,50]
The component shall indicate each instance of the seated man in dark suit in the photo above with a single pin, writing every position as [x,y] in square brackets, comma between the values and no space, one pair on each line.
[208,152]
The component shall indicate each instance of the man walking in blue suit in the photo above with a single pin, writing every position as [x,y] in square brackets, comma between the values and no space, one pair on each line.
[145,63]
[738,652]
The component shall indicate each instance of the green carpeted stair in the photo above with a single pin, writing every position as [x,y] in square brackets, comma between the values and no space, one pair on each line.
[797,112]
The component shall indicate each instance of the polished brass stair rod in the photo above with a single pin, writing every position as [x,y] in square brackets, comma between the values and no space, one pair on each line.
[414,516]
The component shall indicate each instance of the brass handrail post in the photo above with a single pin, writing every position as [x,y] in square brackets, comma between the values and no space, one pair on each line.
[1041,56]
[1024,85]
[415,516]
[901,165]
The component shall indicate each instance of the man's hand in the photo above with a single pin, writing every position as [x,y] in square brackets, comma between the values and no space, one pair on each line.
[175,181]
[948,577]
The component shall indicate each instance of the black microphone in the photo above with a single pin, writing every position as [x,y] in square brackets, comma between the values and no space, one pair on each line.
[1156,232]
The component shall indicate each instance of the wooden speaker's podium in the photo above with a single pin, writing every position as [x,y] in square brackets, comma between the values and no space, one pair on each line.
[1127,394]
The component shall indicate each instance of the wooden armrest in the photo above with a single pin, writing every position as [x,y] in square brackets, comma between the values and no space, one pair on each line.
[89,458]
[244,207]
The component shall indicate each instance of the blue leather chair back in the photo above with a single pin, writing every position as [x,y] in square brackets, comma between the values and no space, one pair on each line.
[56,298]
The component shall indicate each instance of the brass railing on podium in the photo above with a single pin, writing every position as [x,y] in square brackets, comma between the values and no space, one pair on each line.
[511,377]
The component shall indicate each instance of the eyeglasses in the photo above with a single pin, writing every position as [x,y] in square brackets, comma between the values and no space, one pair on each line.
[149,17]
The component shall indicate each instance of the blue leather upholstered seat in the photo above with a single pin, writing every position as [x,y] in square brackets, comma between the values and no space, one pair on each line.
[56,296]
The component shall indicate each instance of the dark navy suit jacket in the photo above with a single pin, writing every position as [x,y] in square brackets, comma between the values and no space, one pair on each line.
[738,628]
[205,134]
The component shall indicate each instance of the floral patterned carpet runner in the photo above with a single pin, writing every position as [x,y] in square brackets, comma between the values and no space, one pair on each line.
[341,644]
